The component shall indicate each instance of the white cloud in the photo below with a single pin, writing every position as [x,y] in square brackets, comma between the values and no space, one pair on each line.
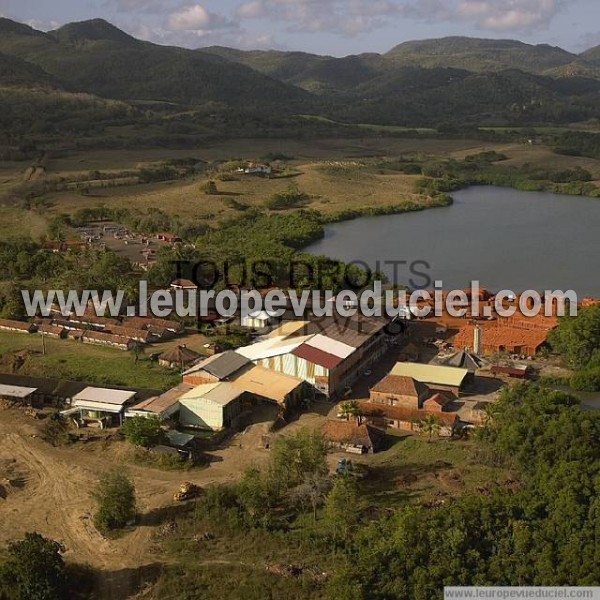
[252,10]
[197,18]
[351,17]
[43,25]
[509,14]
[147,6]
[241,38]
[337,16]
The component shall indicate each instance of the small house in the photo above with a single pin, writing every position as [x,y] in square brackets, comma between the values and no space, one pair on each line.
[164,406]
[104,405]
[398,390]
[53,331]
[437,378]
[142,336]
[515,372]
[178,358]
[106,339]
[183,284]
[351,436]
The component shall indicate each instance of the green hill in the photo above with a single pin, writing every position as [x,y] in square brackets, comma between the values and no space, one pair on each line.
[91,31]
[15,72]
[592,55]
[285,66]
[96,57]
[474,54]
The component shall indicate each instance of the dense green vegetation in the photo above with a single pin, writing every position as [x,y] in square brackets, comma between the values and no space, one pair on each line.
[577,339]
[538,529]
[446,176]
[34,570]
[23,260]
[577,143]
[144,431]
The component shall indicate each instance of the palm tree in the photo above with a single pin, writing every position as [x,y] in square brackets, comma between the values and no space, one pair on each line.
[430,425]
[350,409]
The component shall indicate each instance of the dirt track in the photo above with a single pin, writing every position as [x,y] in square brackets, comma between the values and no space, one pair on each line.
[54,498]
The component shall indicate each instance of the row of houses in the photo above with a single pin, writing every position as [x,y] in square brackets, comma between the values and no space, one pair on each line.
[90,329]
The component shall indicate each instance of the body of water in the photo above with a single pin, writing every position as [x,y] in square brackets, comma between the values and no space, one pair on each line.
[506,239]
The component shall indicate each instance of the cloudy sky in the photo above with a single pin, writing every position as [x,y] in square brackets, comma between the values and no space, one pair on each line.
[336,27]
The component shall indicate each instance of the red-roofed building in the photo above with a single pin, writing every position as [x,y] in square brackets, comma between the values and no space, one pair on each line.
[317,357]
[397,390]
[406,419]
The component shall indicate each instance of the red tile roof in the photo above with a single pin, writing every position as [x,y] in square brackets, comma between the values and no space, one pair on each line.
[401,386]
[350,432]
[438,399]
[318,357]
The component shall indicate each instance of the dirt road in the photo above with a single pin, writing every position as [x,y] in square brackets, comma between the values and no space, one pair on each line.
[53,496]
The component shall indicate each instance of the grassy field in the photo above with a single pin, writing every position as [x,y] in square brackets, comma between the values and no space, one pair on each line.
[15,222]
[331,190]
[415,470]
[67,359]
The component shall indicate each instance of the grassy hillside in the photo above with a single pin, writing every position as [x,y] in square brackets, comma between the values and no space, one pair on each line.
[477,55]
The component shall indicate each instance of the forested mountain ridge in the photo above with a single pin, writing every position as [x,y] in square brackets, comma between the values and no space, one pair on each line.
[429,83]
[98,58]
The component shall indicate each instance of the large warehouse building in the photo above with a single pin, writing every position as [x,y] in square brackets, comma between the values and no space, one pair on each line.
[330,354]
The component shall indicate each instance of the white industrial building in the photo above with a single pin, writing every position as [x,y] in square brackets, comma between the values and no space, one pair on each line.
[210,406]
[328,354]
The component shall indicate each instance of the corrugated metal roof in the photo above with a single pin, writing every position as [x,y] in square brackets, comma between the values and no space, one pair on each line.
[104,396]
[268,384]
[179,439]
[288,329]
[431,374]
[271,347]
[331,346]
[221,365]
[98,406]
[318,357]
[162,403]
[353,331]
[14,391]
[219,393]
[199,391]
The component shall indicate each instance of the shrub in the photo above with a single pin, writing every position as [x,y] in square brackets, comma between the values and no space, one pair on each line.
[115,495]
[145,432]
